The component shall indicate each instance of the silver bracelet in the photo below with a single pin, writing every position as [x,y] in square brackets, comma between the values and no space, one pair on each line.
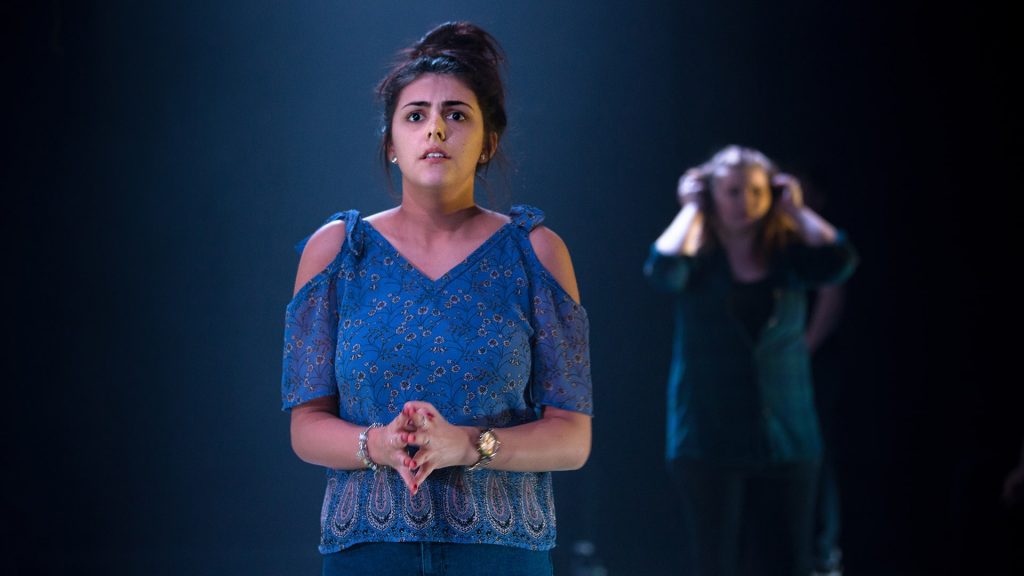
[363,454]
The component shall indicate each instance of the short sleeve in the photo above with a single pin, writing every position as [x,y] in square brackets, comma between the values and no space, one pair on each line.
[310,336]
[668,273]
[561,351]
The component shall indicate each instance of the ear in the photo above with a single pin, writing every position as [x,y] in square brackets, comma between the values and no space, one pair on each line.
[491,146]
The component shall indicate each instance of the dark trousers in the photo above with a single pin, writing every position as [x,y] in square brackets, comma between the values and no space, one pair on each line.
[754,520]
[827,524]
[827,553]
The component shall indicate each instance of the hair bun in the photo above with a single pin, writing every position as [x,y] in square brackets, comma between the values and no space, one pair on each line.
[461,41]
[464,51]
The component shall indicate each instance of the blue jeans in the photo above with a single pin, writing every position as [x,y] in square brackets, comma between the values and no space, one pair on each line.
[436,559]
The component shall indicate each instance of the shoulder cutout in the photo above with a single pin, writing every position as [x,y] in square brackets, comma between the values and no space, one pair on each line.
[554,256]
[321,249]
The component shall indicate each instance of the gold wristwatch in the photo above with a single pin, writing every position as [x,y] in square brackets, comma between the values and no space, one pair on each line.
[487,445]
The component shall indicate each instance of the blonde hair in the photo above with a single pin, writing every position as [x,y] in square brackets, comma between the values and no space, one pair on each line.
[775,229]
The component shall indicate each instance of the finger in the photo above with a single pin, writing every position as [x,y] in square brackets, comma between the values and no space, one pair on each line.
[416,418]
[426,407]
[422,456]
[428,458]
[422,473]
[403,461]
[408,479]
[416,439]
[420,419]
[428,416]
[396,440]
[402,422]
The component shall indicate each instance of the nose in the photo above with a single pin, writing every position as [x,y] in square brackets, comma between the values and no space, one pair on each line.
[755,199]
[437,128]
[750,198]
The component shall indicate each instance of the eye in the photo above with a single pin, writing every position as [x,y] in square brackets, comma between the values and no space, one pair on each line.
[457,116]
[414,117]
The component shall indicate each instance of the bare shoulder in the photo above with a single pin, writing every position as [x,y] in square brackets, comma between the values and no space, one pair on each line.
[497,217]
[321,249]
[554,255]
[382,217]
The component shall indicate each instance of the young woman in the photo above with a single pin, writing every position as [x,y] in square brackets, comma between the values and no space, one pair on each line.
[743,438]
[436,357]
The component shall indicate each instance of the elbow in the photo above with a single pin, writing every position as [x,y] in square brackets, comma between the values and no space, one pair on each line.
[306,428]
[579,457]
[669,281]
[299,445]
[579,453]
[845,270]
[574,438]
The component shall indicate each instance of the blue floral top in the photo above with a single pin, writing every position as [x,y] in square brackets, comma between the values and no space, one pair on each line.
[487,344]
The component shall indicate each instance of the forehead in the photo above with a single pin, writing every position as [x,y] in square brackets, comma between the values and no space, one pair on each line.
[437,88]
[741,175]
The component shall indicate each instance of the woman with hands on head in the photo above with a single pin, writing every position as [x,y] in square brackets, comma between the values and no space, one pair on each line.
[436,359]
[742,441]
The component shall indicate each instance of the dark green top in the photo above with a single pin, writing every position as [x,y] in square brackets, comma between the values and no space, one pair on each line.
[740,385]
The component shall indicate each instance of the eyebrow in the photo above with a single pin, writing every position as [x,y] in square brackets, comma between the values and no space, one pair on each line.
[445,104]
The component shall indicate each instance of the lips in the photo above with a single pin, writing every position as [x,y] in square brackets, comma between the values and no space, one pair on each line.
[434,154]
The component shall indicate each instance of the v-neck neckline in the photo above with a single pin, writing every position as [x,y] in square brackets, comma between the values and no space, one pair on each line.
[452,272]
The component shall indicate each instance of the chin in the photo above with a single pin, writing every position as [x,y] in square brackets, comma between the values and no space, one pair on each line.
[439,182]
[431,183]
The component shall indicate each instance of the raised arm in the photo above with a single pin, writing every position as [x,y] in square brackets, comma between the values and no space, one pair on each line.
[811,227]
[683,235]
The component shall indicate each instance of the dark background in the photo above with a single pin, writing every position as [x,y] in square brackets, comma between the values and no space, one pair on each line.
[162,159]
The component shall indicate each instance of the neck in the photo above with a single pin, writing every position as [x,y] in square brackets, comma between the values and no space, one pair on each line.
[437,199]
[740,249]
[738,242]
[435,215]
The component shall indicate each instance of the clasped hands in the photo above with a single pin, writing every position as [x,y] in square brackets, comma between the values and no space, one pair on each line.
[418,441]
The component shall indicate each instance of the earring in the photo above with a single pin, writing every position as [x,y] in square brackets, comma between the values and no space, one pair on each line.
[483,157]
[394,159]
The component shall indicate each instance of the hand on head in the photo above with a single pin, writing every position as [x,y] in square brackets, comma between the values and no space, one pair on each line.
[691,188]
[791,200]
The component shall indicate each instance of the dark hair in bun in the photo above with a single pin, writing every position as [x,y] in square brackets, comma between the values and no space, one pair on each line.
[463,50]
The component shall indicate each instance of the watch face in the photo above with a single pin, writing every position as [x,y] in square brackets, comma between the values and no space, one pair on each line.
[488,441]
